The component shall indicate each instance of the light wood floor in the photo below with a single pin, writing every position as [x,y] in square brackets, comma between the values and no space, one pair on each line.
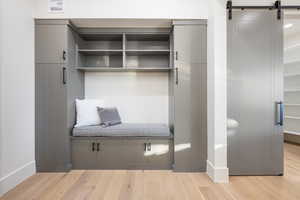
[160,185]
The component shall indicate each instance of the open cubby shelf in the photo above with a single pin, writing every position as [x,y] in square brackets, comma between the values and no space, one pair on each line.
[124,52]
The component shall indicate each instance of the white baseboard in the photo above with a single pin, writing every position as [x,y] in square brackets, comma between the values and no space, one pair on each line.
[217,174]
[14,178]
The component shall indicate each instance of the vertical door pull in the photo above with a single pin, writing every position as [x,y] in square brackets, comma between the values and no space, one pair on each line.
[98,146]
[176,75]
[93,146]
[145,147]
[149,147]
[279,110]
[64,55]
[176,55]
[64,76]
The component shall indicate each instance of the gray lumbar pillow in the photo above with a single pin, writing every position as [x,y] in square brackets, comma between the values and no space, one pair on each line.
[109,116]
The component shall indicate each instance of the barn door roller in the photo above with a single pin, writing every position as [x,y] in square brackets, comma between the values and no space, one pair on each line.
[276,6]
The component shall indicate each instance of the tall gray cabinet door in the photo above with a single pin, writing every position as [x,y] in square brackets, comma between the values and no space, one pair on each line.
[255,88]
[190,97]
[50,44]
[51,148]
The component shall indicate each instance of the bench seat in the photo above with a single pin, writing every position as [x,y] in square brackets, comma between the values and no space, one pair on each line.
[125,129]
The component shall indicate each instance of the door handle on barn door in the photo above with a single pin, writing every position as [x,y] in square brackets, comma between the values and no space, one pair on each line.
[64,76]
[176,75]
[279,115]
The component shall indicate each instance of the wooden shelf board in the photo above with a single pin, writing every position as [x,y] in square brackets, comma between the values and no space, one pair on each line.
[121,69]
[292,62]
[292,117]
[291,75]
[292,90]
[101,51]
[147,52]
[291,132]
[290,104]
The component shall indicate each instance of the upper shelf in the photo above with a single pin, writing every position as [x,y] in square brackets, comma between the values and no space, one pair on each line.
[147,52]
[121,69]
[100,51]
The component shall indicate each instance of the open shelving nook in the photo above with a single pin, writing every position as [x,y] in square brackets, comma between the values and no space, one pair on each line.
[124,50]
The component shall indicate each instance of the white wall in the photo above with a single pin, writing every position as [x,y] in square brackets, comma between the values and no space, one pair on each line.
[139,97]
[17,92]
[217,92]
[196,9]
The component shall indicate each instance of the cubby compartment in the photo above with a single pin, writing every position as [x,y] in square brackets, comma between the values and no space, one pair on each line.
[101,42]
[100,59]
[147,51]
[147,60]
[100,51]
[148,42]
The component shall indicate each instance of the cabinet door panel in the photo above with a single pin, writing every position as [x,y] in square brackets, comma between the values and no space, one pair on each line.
[51,41]
[190,98]
[83,157]
[52,137]
[121,154]
[160,155]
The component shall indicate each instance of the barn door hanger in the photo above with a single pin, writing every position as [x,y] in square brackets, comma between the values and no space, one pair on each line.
[276,6]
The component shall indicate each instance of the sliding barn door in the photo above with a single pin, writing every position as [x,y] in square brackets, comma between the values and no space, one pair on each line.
[255,93]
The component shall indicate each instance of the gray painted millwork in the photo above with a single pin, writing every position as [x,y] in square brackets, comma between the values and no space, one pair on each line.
[112,153]
[255,84]
[181,50]
[190,97]
[55,109]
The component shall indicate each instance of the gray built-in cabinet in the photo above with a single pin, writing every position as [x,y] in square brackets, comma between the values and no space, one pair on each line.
[65,52]
[190,88]
[58,84]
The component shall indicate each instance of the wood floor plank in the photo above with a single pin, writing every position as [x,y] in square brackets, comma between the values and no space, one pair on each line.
[160,185]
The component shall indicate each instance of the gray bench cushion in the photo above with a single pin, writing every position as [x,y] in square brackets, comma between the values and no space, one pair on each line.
[135,130]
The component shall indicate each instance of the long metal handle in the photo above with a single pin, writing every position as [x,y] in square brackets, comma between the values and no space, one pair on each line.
[64,55]
[64,76]
[279,117]
[93,146]
[176,75]
[145,147]
[98,146]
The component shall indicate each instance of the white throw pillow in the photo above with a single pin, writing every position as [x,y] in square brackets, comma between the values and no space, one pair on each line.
[86,111]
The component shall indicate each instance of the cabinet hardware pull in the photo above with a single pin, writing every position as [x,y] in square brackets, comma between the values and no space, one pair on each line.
[176,55]
[64,55]
[145,147]
[176,75]
[149,147]
[64,76]
[93,146]
[98,146]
